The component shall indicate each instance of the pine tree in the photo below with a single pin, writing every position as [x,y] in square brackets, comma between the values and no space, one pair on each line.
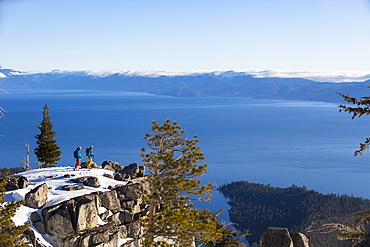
[9,231]
[173,171]
[359,231]
[47,152]
[362,108]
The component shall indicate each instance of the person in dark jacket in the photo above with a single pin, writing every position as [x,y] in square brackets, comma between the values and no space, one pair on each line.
[78,156]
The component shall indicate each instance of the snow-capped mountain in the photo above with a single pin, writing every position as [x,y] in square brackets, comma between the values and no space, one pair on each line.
[271,84]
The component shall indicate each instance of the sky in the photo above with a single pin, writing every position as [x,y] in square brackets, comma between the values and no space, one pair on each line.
[42,35]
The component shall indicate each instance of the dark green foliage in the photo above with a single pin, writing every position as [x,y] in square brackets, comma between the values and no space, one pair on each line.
[362,108]
[256,206]
[356,231]
[363,105]
[11,170]
[9,231]
[47,152]
[173,183]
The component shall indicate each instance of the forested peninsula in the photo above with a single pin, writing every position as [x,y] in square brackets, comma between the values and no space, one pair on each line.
[256,206]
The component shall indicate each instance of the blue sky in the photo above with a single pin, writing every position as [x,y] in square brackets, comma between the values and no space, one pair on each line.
[185,35]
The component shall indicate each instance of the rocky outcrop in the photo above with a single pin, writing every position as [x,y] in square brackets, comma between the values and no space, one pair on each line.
[280,237]
[126,173]
[97,219]
[16,182]
[101,218]
[108,175]
[276,237]
[112,166]
[72,187]
[92,165]
[69,175]
[92,182]
[122,177]
[71,217]
[87,181]
[60,219]
[130,196]
[300,240]
[134,170]
[38,223]
[109,200]
[37,197]
[86,212]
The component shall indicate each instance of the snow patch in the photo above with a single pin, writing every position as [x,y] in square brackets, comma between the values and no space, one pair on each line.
[16,73]
[55,178]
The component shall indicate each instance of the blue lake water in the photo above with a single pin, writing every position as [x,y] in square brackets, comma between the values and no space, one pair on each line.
[264,141]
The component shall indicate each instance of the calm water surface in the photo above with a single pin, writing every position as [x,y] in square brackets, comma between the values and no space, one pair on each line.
[264,141]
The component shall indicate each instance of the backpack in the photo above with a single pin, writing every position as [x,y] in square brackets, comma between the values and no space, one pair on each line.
[87,151]
[75,154]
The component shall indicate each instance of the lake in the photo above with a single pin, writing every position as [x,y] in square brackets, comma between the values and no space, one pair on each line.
[263,141]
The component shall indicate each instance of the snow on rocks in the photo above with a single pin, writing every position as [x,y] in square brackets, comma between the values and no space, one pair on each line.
[101,206]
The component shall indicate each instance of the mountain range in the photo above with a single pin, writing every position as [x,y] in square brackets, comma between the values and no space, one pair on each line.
[196,84]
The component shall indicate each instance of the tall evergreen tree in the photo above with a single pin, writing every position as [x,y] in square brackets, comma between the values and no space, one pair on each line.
[9,232]
[360,229]
[173,180]
[47,152]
